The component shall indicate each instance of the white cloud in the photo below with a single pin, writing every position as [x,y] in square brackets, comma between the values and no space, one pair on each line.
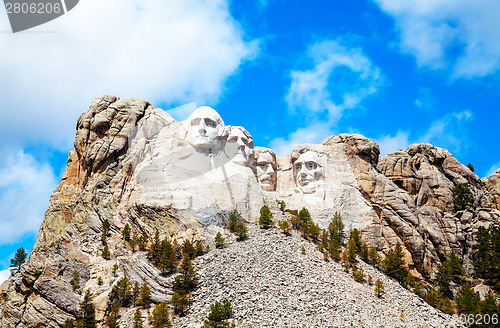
[163,51]
[4,275]
[314,133]
[389,144]
[340,79]
[25,189]
[460,34]
[493,169]
[181,113]
[449,131]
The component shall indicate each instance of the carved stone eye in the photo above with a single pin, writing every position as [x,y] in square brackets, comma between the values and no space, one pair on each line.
[210,123]
[195,121]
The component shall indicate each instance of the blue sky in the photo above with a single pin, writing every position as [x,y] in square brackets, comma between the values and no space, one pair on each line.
[291,72]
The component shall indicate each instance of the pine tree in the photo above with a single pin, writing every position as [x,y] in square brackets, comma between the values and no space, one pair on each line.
[126,232]
[105,252]
[356,236]
[467,300]
[106,227]
[335,249]
[394,263]
[18,260]
[379,288]
[86,315]
[122,292]
[314,231]
[489,304]
[241,230]
[75,280]
[136,292]
[303,250]
[69,323]
[462,196]
[266,217]
[233,219]
[220,241]
[219,313]
[145,299]
[180,302]
[351,253]
[336,229]
[154,253]
[326,256]
[358,274]
[114,269]
[137,319]
[373,257]
[284,226]
[187,279]
[198,248]
[188,249]
[112,318]
[161,316]
[168,260]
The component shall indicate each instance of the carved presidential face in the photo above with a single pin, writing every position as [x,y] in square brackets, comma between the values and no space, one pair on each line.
[308,173]
[244,145]
[206,129]
[266,170]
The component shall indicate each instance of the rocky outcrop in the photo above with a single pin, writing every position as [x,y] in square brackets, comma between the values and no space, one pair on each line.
[133,164]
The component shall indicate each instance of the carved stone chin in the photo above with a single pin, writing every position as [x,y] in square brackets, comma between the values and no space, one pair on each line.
[206,130]
[308,173]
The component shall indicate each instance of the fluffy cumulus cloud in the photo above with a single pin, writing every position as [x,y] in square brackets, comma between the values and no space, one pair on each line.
[341,77]
[25,188]
[460,34]
[314,133]
[171,51]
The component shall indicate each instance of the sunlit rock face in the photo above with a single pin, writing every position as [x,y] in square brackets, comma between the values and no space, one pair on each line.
[134,164]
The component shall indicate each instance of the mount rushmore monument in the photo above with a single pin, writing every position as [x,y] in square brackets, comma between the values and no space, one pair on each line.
[132,163]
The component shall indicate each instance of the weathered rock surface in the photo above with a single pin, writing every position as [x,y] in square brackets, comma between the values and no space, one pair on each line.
[133,164]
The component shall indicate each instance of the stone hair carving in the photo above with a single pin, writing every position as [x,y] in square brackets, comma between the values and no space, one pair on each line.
[244,145]
[307,171]
[206,130]
[266,168]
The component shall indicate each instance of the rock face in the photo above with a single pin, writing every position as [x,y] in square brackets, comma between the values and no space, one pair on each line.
[133,164]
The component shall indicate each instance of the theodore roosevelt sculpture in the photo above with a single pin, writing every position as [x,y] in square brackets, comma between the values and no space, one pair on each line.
[243,145]
[266,168]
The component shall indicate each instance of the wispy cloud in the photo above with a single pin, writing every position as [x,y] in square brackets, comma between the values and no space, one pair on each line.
[341,77]
[389,144]
[458,34]
[450,131]
[493,169]
[25,189]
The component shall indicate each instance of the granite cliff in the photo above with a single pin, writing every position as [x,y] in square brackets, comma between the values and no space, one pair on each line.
[134,164]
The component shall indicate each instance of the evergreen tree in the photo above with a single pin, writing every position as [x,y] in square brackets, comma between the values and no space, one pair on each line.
[126,232]
[233,219]
[373,257]
[188,249]
[284,226]
[314,231]
[450,270]
[219,313]
[437,299]
[106,227]
[136,292]
[180,302]
[198,248]
[482,257]
[303,250]
[358,274]
[356,236]
[326,256]
[379,288]
[142,241]
[350,255]
[86,314]
[394,263]
[489,304]
[336,229]
[168,260]
[112,318]
[220,241]
[104,239]
[18,260]
[266,217]
[75,280]
[470,167]
[137,319]
[241,230]
[145,299]
[69,323]
[467,300]
[462,196]
[187,279]
[334,248]
[114,269]
[105,252]
[122,292]
[154,253]
[161,316]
